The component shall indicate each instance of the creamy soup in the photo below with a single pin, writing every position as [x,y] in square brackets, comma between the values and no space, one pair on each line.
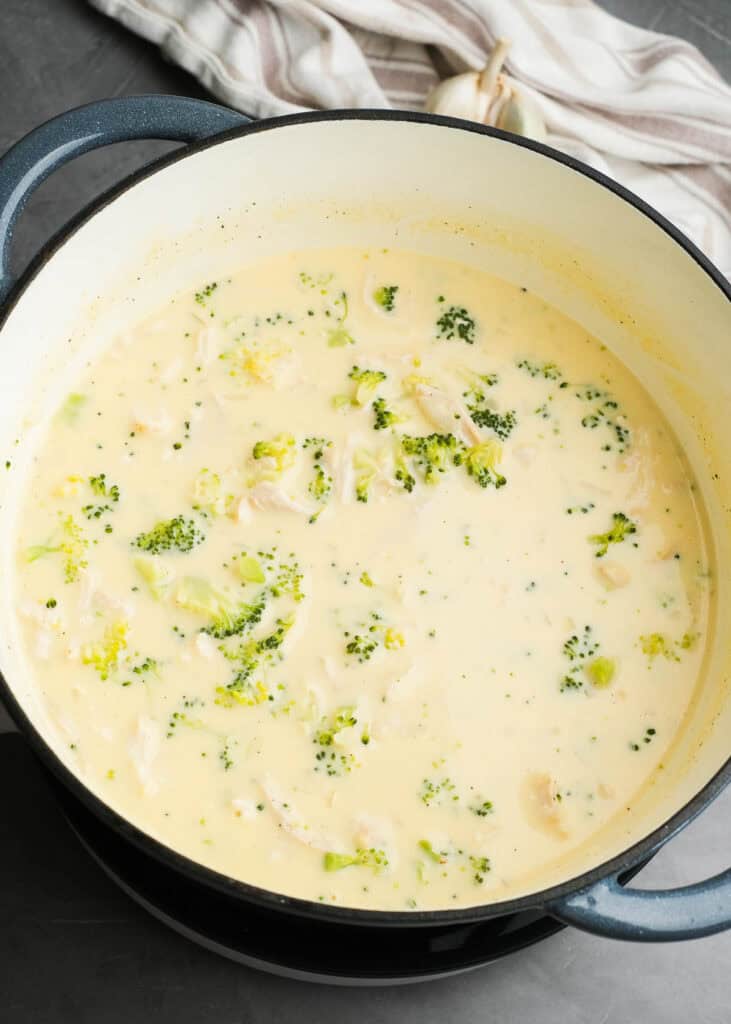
[365,577]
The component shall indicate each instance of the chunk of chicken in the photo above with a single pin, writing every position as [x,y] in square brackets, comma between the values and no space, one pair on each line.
[268,497]
[372,832]
[446,413]
[541,805]
[283,807]
[611,574]
[143,748]
[146,421]
[209,345]
[95,597]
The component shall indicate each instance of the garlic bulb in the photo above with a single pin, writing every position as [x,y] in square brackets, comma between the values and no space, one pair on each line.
[490,97]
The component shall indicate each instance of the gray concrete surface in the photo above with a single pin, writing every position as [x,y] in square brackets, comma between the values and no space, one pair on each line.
[72,947]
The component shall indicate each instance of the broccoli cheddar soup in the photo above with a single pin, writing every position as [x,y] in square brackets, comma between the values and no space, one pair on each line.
[364,577]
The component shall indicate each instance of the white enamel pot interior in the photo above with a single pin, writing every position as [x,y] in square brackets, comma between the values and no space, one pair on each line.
[436,187]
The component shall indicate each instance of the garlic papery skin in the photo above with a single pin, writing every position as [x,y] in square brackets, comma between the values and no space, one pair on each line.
[488,97]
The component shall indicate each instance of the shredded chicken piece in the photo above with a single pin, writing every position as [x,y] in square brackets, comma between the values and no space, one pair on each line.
[94,598]
[209,345]
[611,574]
[446,413]
[49,624]
[376,833]
[268,497]
[283,808]
[145,421]
[343,472]
[205,645]
[241,511]
[143,749]
[541,805]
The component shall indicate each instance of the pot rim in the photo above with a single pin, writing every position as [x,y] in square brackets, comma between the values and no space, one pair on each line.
[268,899]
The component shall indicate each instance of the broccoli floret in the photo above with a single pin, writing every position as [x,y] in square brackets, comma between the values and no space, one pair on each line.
[480,866]
[209,496]
[318,443]
[71,408]
[385,296]
[262,361]
[393,639]
[246,696]
[178,534]
[600,672]
[384,417]
[288,580]
[250,569]
[361,647]
[205,293]
[227,615]
[101,488]
[372,858]
[578,649]
[248,657]
[478,382]
[281,452]
[441,791]
[622,527]
[401,470]
[338,337]
[480,462]
[657,644]
[36,551]
[343,718]
[456,322]
[321,486]
[431,454]
[178,718]
[156,575]
[104,656]
[570,683]
[367,469]
[482,809]
[437,856]
[502,424]
[366,382]
[549,371]
[70,542]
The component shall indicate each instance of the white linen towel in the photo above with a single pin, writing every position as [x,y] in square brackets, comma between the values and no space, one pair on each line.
[645,108]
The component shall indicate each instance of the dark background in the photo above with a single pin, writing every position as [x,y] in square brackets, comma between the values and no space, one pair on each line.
[74,949]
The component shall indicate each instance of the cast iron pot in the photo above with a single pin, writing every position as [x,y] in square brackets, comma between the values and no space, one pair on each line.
[243,190]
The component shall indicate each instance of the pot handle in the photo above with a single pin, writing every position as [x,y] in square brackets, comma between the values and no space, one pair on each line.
[42,151]
[648,915]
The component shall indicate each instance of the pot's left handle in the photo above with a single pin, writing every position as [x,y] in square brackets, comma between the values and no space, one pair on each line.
[78,131]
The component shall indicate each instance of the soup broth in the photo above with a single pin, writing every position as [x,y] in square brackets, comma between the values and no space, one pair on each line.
[364,577]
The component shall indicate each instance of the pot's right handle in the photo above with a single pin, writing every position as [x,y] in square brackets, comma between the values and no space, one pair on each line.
[78,131]
[649,915]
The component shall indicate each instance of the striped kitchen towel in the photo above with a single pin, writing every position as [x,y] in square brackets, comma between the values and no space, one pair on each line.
[647,109]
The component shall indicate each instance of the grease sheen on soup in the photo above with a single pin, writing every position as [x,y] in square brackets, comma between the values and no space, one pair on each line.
[365,577]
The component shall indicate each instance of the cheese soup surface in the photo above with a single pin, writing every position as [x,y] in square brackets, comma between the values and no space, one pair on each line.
[364,577]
